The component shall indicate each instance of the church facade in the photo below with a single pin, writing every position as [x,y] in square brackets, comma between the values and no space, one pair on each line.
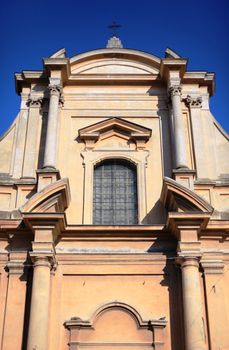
[114,207]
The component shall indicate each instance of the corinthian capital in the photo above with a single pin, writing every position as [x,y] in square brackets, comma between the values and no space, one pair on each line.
[55,89]
[175,90]
[61,100]
[194,102]
[34,101]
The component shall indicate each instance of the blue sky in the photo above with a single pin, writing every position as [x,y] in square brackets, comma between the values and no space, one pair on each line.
[31,30]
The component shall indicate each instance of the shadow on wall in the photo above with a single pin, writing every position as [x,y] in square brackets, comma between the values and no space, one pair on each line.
[157,215]
[42,139]
[165,127]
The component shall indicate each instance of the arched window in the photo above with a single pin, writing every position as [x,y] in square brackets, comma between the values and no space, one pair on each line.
[115,193]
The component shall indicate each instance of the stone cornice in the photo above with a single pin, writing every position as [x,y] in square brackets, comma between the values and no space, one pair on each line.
[123,53]
[218,224]
[9,224]
[180,222]
[25,78]
[59,62]
[212,265]
[44,220]
[172,64]
[201,78]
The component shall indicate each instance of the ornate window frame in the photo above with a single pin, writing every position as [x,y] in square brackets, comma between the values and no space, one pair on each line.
[92,155]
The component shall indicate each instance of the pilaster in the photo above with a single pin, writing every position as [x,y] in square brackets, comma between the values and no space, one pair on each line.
[172,71]
[215,293]
[46,177]
[46,229]
[4,242]
[19,150]
[29,165]
[15,304]
[185,177]
[195,104]
[186,227]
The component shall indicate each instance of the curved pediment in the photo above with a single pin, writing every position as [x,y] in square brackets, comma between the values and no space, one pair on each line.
[114,62]
[177,198]
[111,66]
[53,198]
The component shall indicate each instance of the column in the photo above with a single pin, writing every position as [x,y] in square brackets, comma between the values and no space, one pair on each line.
[180,158]
[52,127]
[39,312]
[195,337]
[30,156]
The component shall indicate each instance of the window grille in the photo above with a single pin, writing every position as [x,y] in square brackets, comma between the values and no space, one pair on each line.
[115,193]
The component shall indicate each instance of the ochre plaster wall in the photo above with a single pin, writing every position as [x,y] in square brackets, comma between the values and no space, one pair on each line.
[113,280]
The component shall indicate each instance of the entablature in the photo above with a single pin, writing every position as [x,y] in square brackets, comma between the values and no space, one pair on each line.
[116,65]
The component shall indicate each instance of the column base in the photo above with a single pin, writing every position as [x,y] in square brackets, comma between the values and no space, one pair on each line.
[46,176]
[185,177]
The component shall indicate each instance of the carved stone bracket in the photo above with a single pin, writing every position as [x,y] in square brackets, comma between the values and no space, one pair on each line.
[194,102]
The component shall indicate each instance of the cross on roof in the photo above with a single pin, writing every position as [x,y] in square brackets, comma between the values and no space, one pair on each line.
[114,26]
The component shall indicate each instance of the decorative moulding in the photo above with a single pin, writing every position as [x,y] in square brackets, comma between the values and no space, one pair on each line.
[115,126]
[53,198]
[177,198]
[76,325]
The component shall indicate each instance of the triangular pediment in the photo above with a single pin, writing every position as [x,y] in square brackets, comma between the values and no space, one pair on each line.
[115,127]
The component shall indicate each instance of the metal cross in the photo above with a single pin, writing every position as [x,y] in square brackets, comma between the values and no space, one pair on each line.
[114,26]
